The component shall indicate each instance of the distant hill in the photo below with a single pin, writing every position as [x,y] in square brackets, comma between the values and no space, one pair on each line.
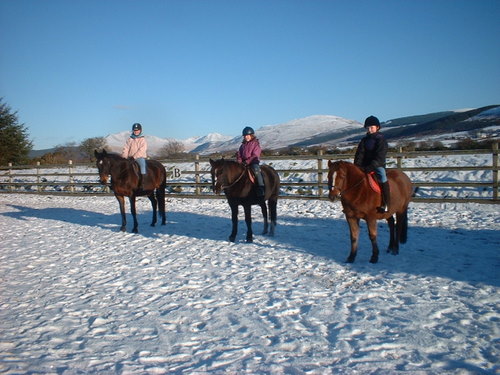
[449,123]
[328,130]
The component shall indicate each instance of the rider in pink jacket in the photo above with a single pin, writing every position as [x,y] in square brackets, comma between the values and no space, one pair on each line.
[136,148]
[249,155]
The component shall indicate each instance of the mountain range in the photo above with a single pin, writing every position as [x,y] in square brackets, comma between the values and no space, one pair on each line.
[334,131]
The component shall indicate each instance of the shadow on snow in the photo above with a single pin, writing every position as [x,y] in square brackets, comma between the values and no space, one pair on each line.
[457,254]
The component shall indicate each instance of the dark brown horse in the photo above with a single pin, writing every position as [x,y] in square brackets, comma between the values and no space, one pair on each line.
[234,179]
[349,183]
[125,181]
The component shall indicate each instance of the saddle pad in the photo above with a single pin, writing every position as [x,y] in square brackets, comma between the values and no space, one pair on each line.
[373,182]
[251,176]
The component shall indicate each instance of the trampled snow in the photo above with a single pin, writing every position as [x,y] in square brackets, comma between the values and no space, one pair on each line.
[79,296]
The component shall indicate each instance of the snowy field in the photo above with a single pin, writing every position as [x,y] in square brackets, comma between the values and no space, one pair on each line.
[78,296]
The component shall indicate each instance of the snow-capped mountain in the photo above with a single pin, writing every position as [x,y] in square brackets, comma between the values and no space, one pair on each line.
[295,132]
[327,130]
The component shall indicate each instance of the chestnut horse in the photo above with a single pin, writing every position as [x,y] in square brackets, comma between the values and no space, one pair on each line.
[359,201]
[125,179]
[234,179]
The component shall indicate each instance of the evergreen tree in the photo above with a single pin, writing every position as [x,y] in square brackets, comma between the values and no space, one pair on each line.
[14,143]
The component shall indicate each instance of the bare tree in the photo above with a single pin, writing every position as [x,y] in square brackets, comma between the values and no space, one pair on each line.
[171,149]
[88,146]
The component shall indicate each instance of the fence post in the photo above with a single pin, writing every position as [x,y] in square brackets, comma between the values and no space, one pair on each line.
[38,187]
[197,174]
[71,177]
[399,158]
[320,173]
[495,170]
[11,187]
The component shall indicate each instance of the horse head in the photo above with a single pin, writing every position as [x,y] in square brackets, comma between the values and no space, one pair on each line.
[336,179]
[217,172]
[103,166]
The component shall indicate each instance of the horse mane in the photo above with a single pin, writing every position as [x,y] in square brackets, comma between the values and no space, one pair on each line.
[356,167]
[112,155]
[223,161]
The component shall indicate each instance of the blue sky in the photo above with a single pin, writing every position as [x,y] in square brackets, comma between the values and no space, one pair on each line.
[76,69]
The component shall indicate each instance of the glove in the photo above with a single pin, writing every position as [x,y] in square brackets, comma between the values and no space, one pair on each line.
[368,169]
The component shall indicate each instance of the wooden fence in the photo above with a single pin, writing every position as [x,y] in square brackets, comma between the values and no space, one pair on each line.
[191,178]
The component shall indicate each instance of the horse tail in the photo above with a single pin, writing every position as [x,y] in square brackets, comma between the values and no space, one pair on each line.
[403,225]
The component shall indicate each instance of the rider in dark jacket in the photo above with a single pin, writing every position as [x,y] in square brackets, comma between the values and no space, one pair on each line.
[371,154]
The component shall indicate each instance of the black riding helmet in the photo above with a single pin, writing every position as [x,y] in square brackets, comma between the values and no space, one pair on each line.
[137,126]
[372,121]
[247,130]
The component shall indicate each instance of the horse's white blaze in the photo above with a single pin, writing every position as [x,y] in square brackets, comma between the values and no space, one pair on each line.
[334,177]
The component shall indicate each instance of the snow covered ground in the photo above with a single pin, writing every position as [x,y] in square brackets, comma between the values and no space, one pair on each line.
[79,296]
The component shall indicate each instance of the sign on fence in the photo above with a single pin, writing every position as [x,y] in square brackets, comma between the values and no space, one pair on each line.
[176,172]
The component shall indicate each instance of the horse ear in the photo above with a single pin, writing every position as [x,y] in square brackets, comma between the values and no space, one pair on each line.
[330,163]
[211,162]
[96,154]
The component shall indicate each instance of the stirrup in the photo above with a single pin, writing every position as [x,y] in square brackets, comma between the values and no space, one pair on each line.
[382,209]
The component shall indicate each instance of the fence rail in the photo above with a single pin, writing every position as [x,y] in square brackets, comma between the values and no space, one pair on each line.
[191,178]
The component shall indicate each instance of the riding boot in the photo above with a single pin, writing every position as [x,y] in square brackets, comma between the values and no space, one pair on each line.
[386,197]
[261,189]
[142,181]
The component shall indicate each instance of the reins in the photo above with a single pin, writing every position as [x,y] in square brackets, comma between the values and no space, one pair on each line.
[235,181]
[349,188]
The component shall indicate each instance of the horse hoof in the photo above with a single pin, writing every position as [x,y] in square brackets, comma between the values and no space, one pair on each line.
[249,240]
[135,230]
[373,260]
[350,260]
[232,239]
[123,229]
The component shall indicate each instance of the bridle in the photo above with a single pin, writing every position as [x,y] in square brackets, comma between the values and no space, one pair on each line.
[332,187]
[224,187]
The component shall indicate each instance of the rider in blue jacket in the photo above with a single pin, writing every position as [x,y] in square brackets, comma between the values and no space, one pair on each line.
[371,154]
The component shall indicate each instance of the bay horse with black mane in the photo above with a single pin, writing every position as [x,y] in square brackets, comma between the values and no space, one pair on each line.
[235,180]
[125,182]
[360,201]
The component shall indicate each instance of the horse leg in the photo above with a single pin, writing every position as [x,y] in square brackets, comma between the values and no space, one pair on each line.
[401,231]
[393,241]
[154,204]
[354,233]
[402,226]
[121,202]
[372,233]
[272,203]
[160,196]
[248,220]
[234,220]
[134,213]
[263,207]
